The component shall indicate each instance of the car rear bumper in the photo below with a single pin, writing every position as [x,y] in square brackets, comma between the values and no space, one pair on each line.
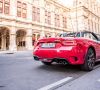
[71,55]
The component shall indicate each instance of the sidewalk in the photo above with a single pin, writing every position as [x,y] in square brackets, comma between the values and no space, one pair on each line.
[90,81]
[7,52]
[13,52]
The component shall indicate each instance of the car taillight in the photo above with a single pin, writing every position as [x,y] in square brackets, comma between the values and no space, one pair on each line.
[69,43]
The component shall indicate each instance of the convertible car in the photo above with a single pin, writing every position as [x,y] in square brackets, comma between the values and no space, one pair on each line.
[75,48]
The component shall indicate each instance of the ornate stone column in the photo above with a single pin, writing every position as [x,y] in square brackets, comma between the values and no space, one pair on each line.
[42,34]
[29,40]
[12,46]
[13,8]
[53,35]
[29,11]
[3,43]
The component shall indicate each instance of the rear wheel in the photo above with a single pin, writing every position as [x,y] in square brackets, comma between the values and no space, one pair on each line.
[46,63]
[89,60]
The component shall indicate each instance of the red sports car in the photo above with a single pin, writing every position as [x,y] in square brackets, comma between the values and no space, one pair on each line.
[75,48]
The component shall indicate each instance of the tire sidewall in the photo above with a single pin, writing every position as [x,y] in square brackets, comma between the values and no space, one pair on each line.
[85,65]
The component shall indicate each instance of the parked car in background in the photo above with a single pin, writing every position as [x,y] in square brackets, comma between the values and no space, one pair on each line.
[75,48]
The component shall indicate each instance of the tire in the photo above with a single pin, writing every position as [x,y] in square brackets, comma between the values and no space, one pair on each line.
[89,60]
[46,63]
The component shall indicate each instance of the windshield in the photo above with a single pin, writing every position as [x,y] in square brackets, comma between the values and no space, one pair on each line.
[98,36]
[70,34]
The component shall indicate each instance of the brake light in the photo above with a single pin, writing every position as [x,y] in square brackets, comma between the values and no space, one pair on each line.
[69,43]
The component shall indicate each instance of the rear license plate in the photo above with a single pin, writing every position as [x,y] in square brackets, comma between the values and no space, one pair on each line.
[48,45]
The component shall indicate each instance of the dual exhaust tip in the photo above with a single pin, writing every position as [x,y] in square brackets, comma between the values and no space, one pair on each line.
[57,60]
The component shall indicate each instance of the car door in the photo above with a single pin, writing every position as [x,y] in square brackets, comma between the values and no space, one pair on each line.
[97,44]
[94,41]
[98,36]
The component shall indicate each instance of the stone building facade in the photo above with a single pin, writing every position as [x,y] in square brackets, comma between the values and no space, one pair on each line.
[24,21]
[85,15]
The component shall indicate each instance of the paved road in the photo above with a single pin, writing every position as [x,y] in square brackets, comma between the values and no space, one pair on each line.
[19,71]
[89,81]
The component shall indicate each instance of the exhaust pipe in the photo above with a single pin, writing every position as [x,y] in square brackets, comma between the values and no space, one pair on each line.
[36,58]
[62,62]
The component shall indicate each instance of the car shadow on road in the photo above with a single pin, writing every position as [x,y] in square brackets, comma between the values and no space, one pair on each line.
[60,68]
[64,68]
[97,64]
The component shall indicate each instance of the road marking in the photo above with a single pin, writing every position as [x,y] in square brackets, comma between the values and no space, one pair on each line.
[56,84]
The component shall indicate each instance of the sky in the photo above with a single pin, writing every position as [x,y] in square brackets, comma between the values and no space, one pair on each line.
[66,2]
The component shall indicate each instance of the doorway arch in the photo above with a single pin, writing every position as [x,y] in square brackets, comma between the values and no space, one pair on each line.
[47,35]
[21,39]
[4,38]
[35,37]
